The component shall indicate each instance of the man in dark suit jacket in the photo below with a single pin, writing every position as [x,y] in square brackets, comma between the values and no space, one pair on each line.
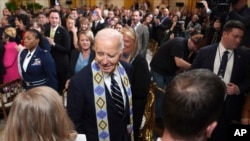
[236,76]
[59,40]
[161,26]
[90,102]
[98,23]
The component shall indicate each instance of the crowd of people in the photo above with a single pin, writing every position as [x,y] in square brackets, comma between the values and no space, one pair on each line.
[99,55]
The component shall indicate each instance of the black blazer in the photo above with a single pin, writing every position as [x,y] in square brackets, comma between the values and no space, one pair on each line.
[73,59]
[159,30]
[60,53]
[99,27]
[140,88]
[81,107]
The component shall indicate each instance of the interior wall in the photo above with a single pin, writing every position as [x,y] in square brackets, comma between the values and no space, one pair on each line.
[2,6]
[45,3]
[119,3]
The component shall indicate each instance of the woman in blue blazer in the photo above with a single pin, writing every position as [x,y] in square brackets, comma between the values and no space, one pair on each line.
[36,65]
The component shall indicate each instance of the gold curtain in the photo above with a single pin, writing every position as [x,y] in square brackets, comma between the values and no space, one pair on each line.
[191,5]
[128,3]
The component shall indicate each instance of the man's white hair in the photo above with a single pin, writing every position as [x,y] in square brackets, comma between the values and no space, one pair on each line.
[110,34]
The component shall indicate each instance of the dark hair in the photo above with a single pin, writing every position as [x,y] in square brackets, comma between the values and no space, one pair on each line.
[35,20]
[54,11]
[42,13]
[25,20]
[146,15]
[11,20]
[37,35]
[75,9]
[140,13]
[193,100]
[229,25]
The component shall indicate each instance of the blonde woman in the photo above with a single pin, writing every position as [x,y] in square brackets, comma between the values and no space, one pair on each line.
[83,55]
[141,77]
[38,115]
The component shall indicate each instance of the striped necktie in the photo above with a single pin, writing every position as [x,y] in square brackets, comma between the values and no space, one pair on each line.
[117,95]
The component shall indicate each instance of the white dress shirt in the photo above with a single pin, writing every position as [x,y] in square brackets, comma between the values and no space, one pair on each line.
[230,62]
[27,59]
[117,77]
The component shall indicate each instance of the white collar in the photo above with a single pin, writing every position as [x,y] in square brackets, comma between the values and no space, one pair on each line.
[222,49]
[31,52]
[55,28]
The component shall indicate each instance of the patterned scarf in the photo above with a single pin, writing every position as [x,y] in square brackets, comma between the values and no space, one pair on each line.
[100,100]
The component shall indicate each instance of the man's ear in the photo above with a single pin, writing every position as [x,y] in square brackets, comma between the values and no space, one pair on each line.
[211,128]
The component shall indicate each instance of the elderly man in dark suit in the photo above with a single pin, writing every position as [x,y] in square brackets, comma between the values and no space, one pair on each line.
[59,40]
[99,96]
[230,63]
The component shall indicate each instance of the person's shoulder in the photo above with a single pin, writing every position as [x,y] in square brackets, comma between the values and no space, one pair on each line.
[126,65]
[42,51]
[179,39]
[85,73]
[75,51]
[208,47]
[244,51]
[62,29]
[142,26]
[139,58]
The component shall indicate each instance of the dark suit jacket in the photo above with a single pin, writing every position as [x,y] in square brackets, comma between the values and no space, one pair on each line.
[97,28]
[81,107]
[240,76]
[159,30]
[73,59]
[41,66]
[140,88]
[60,53]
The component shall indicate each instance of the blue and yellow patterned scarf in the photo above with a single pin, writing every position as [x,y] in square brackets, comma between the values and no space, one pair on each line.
[100,100]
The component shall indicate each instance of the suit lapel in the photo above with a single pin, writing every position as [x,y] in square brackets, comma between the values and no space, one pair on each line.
[33,57]
[236,66]
[22,57]
[212,57]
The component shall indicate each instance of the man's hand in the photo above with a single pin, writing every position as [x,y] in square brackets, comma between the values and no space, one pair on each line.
[51,41]
[74,29]
[232,89]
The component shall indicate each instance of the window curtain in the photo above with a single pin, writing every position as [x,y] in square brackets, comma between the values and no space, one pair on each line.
[191,5]
[128,3]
